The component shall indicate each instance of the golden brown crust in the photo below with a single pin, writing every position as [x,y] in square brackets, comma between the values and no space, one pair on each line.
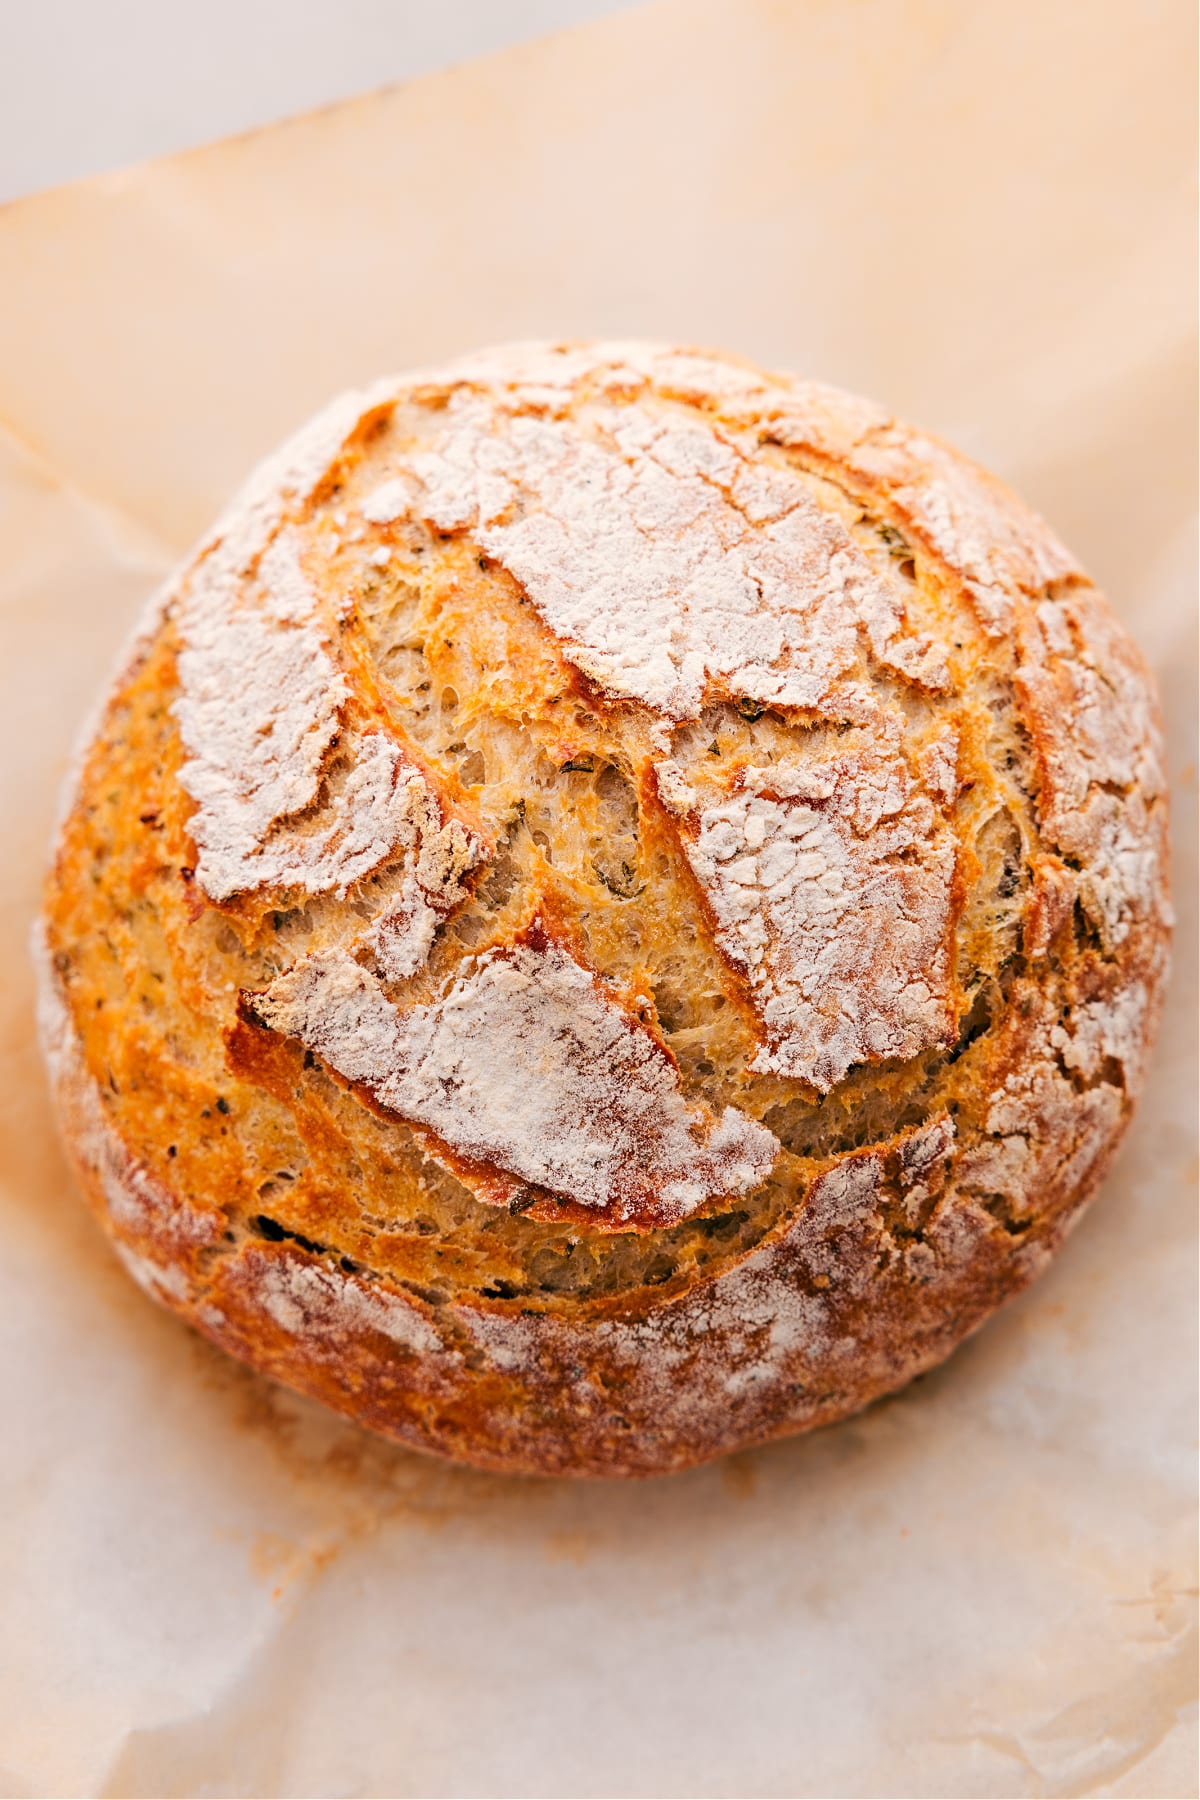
[874,923]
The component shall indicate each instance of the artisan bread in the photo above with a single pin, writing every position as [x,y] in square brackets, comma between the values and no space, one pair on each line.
[615,910]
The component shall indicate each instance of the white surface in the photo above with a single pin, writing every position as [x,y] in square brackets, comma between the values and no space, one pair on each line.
[88,85]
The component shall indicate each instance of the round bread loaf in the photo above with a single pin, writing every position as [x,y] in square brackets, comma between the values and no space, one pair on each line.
[615,910]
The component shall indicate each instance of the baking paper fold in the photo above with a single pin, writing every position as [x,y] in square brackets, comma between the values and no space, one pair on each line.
[980,215]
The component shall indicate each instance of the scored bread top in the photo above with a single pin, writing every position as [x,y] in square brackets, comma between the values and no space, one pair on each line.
[677,569]
[576,799]
[600,1119]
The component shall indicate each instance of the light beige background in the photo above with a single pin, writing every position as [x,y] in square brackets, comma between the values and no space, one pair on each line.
[87,85]
[982,215]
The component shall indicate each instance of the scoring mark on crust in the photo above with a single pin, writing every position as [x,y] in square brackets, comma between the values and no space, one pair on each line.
[832,886]
[675,567]
[527,1068]
[260,707]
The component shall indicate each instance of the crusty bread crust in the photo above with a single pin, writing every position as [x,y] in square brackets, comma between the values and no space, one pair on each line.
[616,912]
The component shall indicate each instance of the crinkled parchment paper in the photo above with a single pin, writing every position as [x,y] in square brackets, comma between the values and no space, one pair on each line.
[980,214]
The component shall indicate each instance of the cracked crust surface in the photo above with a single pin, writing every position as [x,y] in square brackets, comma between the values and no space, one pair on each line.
[617,911]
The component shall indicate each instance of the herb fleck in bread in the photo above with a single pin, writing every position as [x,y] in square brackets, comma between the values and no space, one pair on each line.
[616,911]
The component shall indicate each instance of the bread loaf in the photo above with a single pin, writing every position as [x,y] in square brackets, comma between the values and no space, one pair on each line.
[615,910]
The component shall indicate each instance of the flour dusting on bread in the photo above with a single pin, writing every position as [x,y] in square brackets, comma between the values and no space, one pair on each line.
[831,885]
[673,565]
[526,1064]
[261,704]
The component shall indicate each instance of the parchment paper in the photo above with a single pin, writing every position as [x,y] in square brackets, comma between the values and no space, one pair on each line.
[983,216]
